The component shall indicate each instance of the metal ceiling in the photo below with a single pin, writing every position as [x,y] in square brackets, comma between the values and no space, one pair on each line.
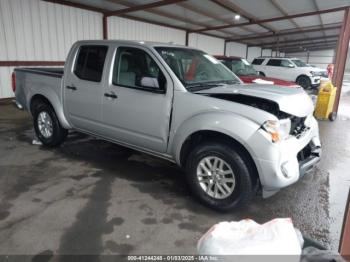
[267,23]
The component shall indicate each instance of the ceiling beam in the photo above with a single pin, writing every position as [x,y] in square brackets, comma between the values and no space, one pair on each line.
[238,10]
[319,16]
[143,7]
[123,2]
[305,45]
[77,5]
[282,33]
[271,44]
[271,19]
[316,48]
[280,8]
[165,14]
[205,12]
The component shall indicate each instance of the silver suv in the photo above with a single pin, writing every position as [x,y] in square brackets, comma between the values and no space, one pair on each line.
[180,104]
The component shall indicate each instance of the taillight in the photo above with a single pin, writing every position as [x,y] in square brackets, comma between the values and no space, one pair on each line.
[14,82]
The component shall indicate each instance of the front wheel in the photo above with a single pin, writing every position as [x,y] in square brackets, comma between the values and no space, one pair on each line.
[304,82]
[47,126]
[219,176]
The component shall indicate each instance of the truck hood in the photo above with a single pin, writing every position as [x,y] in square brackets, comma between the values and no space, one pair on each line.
[293,101]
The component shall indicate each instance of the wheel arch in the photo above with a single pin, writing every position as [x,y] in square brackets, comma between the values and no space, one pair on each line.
[54,103]
[215,136]
[301,75]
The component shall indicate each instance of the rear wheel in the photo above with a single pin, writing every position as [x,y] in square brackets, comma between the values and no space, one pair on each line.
[47,126]
[332,116]
[304,82]
[219,176]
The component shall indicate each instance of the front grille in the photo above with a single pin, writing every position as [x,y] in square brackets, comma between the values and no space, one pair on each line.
[298,127]
[305,153]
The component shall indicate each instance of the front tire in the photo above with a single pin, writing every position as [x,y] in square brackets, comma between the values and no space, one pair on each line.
[47,126]
[304,82]
[219,176]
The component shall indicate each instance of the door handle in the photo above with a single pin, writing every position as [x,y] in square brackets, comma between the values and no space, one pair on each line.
[73,88]
[111,95]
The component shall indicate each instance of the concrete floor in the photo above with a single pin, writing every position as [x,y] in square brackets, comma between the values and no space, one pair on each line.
[92,197]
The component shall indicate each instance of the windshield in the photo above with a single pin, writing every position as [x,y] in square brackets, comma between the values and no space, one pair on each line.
[240,67]
[195,68]
[299,63]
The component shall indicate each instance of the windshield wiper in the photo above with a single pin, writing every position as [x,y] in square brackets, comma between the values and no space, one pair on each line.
[210,84]
[201,86]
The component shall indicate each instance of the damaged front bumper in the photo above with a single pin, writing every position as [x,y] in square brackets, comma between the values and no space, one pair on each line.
[284,163]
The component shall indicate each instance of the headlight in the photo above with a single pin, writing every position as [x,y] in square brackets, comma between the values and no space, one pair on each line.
[278,130]
[313,73]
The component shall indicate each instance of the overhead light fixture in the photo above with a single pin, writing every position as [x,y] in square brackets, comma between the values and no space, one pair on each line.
[237,17]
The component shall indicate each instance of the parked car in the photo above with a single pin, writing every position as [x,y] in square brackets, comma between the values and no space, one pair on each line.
[299,63]
[286,69]
[182,105]
[246,72]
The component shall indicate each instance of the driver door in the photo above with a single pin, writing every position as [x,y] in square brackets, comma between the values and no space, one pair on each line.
[137,102]
[286,71]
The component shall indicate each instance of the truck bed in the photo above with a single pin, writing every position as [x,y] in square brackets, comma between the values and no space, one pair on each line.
[55,72]
[37,80]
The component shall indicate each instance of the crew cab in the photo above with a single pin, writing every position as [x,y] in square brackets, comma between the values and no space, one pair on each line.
[182,105]
[287,69]
[246,72]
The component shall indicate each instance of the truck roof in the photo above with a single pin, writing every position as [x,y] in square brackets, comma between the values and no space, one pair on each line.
[134,42]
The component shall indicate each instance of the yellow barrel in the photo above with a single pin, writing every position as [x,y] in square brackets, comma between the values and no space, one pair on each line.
[325,100]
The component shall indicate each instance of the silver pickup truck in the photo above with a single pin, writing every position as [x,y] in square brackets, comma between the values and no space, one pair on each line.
[180,104]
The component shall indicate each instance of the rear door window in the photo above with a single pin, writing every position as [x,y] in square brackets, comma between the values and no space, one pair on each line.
[274,62]
[90,62]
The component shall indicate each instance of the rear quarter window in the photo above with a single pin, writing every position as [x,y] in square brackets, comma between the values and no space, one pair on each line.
[90,62]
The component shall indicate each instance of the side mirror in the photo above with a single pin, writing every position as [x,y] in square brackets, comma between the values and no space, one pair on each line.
[150,82]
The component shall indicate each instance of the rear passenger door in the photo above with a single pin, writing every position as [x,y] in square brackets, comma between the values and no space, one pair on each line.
[137,100]
[83,88]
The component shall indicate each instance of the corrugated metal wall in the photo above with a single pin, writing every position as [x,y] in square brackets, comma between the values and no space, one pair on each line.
[211,45]
[35,30]
[122,28]
[236,49]
[253,52]
[267,52]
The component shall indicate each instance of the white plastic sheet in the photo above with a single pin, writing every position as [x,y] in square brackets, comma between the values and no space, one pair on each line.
[246,237]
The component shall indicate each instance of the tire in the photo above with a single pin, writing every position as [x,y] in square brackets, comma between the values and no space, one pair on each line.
[58,134]
[304,82]
[244,188]
[332,116]
[262,74]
